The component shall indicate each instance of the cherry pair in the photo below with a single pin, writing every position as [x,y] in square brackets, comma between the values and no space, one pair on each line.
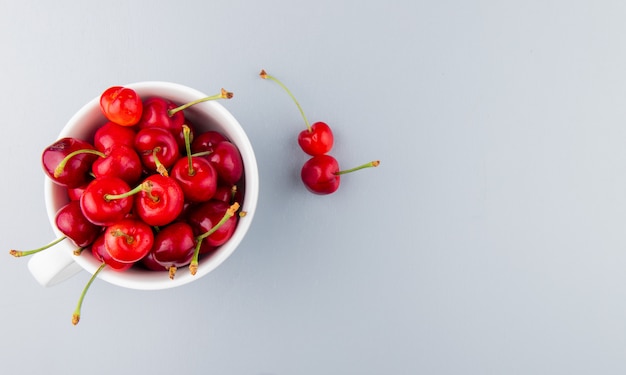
[320,174]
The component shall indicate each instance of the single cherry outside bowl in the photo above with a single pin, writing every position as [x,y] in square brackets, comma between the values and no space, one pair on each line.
[210,115]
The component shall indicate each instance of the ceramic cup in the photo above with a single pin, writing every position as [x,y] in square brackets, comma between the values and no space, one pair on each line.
[59,263]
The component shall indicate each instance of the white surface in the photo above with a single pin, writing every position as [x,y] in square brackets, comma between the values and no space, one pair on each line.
[489,241]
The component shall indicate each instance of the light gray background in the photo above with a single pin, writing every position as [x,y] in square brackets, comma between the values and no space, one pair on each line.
[489,241]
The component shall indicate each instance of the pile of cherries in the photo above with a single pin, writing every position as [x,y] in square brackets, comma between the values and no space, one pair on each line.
[148,190]
[320,174]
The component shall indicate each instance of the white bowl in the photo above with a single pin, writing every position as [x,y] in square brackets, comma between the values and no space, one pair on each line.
[209,115]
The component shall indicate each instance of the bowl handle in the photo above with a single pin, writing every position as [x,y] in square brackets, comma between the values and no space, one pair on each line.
[51,267]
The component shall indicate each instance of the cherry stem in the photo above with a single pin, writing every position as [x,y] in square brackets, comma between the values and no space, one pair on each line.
[264,75]
[374,163]
[118,233]
[78,251]
[76,315]
[59,169]
[141,187]
[202,153]
[160,168]
[230,212]
[222,95]
[19,253]
[186,134]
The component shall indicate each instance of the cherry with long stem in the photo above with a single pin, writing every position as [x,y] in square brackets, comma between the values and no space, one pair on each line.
[61,166]
[73,225]
[196,176]
[316,139]
[76,172]
[157,148]
[97,202]
[117,160]
[321,174]
[173,246]
[230,212]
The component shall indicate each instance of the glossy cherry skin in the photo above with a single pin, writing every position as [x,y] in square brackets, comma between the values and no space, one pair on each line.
[112,134]
[227,162]
[161,203]
[227,194]
[74,194]
[128,240]
[200,186]
[150,263]
[207,141]
[316,141]
[76,171]
[98,250]
[120,161]
[156,114]
[205,216]
[121,105]
[72,223]
[98,209]
[174,245]
[156,141]
[319,174]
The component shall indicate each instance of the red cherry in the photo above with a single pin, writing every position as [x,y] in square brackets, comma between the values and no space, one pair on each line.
[205,216]
[195,175]
[75,170]
[160,201]
[128,240]
[227,162]
[112,134]
[174,246]
[316,139]
[121,105]
[214,222]
[156,114]
[321,175]
[206,142]
[119,161]
[74,194]
[105,201]
[157,149]
[71,221]
[98,250]
[198,179]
